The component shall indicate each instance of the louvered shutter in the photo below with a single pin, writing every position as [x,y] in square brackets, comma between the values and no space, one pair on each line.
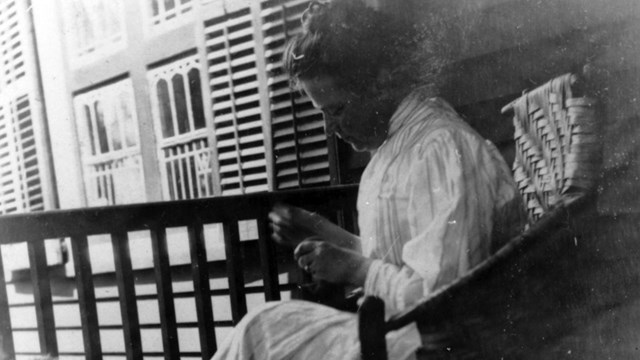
[20,183]
[20,175]
[300,145]
[235,97]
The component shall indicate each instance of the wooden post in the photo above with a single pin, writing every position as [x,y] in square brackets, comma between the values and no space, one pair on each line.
[234,270]
[86,297]
[42,297]
[162,271]
[6,337]
[268,261]
[373,345]
[202,290]
[127,294]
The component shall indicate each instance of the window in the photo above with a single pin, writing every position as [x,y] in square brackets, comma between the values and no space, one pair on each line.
[109,145]
[96,27]
[183,145]
[162,14]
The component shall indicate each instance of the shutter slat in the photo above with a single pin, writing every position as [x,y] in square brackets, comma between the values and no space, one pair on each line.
[253,177]
[248,112]
[251,72]
[240,33]
[313,139]
[230,180]
[248,86]
[251,138]
[252,151]
[222,118]
[254,164]
[314,153]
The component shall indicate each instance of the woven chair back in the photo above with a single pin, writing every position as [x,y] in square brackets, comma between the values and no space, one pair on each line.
[557,141]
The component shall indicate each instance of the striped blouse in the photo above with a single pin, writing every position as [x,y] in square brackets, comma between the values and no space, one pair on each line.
[435,200]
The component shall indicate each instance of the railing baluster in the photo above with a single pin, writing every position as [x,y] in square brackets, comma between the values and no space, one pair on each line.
[268,262]
[42,297]
[127,294]
[162,272]
[86,297]
[234,270]
[6,337]
[202,289]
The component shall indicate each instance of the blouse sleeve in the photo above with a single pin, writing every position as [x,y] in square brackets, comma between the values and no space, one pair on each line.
[450,209]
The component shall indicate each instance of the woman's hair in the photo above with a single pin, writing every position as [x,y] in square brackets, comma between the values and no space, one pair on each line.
[353,43]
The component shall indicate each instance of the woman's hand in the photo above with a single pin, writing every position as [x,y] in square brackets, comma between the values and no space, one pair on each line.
[291,225]
[326,261]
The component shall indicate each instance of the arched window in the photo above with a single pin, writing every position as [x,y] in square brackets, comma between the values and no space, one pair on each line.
[130,130]
[164,104]
[89,120]
[101,128]
[169,4]
[182,114]
[196,99]
[184,150]
[155,10]
[108,132]
[115,130]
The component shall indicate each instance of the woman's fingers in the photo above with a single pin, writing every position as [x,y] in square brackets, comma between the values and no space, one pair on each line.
[290,225]
[305,262]
[306,254]
[295,216]
[281,213]
[306,247]
[283,235]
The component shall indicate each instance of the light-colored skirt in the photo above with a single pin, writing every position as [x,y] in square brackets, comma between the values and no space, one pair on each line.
[307,331]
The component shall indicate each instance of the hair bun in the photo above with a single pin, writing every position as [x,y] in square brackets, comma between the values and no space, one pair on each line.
[315,8]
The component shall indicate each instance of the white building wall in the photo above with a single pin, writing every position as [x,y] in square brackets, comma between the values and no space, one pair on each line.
[59,109]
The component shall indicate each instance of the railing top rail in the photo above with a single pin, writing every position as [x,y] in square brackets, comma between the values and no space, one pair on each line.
[101,220]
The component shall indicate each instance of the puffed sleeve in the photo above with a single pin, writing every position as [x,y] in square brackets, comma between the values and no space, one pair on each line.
[450,210]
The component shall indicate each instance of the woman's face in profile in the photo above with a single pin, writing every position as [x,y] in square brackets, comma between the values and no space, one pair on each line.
[361,119]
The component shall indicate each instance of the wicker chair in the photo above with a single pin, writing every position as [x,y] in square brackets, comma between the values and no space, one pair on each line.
[558,153]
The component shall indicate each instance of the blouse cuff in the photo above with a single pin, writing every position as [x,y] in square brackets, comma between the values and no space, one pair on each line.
[372,277]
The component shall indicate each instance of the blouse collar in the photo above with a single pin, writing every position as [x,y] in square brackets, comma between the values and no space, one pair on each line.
[414,108]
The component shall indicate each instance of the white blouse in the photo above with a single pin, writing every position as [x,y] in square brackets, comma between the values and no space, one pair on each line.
[435,200]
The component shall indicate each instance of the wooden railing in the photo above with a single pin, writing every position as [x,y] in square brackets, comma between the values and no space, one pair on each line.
[79,226]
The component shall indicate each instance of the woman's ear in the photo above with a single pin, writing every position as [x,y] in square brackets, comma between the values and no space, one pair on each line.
[383,80]
[386,86]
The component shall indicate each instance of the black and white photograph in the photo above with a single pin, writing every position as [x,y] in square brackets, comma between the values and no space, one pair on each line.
[319,179]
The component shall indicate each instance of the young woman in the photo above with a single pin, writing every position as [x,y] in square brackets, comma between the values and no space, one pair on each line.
[435,199]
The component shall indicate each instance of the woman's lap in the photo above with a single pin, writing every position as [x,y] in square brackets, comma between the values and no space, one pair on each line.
[304,330]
